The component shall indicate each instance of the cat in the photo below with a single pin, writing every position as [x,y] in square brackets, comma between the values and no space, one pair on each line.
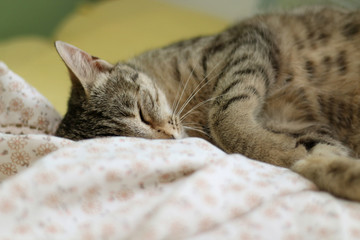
[282,88]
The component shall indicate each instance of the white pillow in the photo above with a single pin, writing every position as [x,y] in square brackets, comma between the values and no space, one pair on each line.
[23,110]
[26,120]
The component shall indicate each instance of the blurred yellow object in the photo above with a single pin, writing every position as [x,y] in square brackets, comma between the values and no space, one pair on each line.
[113,30]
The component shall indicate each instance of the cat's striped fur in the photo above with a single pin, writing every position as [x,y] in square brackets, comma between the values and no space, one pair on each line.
[281,88]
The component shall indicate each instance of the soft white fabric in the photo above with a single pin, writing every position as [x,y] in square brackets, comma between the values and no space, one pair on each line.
[129,188]
[23,110]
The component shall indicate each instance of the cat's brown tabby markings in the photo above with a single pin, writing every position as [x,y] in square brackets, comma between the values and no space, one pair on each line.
[280,88]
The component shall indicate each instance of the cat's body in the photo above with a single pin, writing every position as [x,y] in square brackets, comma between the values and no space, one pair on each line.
[280,88]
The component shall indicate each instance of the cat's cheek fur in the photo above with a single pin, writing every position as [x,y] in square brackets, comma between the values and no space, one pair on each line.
[157,133]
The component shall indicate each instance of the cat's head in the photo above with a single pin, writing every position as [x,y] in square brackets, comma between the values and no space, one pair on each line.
[113,100]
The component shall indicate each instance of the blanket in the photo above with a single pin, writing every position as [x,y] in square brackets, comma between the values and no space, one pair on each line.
[131,188]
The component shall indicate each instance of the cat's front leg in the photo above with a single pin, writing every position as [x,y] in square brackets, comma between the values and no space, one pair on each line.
[328,164]
[236,130]
[240,90]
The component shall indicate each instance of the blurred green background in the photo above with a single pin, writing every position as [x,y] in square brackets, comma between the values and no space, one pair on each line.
[34,17]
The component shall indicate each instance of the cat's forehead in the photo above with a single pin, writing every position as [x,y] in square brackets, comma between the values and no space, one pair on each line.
[122,78]
[125,70]
[129,73]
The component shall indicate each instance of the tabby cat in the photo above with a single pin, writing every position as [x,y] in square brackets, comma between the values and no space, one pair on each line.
[282,88]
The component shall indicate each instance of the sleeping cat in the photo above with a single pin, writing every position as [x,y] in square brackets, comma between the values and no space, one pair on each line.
[280,88]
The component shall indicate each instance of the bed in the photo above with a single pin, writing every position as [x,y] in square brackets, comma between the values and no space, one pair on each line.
[131,188]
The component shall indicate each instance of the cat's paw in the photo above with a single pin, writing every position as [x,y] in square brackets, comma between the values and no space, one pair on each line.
[339,175]
[325,150]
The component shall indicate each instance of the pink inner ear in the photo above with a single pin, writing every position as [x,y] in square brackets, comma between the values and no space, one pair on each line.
[67,52]
[102,65]
[86,56]
[85,67]
[99,66]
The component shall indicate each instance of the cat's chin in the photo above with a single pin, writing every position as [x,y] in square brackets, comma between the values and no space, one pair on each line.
[181,135]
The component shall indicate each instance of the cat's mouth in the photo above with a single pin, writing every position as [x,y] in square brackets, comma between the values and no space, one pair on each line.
[170,131]
[181,134]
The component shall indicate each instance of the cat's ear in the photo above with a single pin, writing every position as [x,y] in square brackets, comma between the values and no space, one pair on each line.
[84,68]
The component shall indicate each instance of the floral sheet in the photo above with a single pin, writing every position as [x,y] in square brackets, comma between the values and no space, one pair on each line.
[130,188]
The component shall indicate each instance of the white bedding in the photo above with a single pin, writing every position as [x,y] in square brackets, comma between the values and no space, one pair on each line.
[129,188]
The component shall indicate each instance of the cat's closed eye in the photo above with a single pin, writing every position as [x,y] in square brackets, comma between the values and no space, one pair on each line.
[142,117]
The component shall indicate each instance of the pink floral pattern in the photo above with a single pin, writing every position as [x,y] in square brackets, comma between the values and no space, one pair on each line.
[23,110]
[21,158]
[8,169]
[45,149]
[129,188]
[16,104]
[107,188]
[27,114]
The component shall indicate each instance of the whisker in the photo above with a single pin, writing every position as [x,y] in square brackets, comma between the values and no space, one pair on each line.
[182,93]
[199,87]
[194,125]
[177,97]
[198,105]
[197,130]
